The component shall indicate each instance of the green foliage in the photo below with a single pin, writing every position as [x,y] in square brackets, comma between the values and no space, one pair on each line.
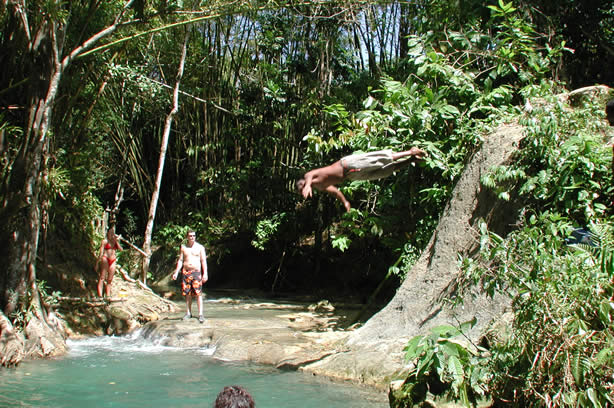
[129,226]
[559,352]
[440,108]
[26,306]
[564,166]
[341,243]
[267,229]
[207,230]
[458,87]
[559,349]
[136,85]
[448,364]
[518,48]
[69,189]
[409,256]
[54,10]
[172,235]
[499,177]
[587,28]
[12,134]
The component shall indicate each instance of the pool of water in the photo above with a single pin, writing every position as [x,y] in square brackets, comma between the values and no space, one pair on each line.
[131,372]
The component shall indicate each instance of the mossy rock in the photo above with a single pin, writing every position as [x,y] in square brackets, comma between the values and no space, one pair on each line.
[408,395]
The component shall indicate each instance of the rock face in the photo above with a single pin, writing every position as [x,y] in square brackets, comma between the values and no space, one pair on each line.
[282,335]
[374,353]
[129,307]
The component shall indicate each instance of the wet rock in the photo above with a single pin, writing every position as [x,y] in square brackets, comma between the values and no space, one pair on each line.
[43,340]
[322,306]
[282,335]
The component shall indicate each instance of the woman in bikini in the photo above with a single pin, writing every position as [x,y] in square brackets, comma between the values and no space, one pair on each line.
[106,260]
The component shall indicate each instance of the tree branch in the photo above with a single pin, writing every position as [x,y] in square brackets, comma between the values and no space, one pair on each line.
[89,43]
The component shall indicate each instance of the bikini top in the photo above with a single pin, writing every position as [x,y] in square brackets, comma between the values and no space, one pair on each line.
[108,246]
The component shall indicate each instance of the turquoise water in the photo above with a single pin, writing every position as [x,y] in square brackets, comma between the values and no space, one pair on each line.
[130,372]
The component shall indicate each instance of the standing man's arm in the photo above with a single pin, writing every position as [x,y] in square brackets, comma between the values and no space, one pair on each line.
[335,192]
[203,263]
[179,264]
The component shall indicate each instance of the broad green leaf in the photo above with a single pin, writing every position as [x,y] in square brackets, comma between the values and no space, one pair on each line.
[450,348]
[412,347]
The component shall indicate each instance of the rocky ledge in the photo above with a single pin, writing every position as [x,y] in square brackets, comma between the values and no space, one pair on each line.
[287,336]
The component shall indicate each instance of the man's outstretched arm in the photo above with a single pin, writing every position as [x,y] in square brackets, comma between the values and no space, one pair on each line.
[306,190]
[335,192]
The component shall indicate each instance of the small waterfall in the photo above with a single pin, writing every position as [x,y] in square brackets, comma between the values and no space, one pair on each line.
[136,342]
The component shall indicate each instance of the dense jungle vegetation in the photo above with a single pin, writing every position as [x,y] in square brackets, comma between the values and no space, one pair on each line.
[175,114]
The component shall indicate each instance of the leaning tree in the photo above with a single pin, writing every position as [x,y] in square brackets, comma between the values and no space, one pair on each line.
[39,44]
[40,40]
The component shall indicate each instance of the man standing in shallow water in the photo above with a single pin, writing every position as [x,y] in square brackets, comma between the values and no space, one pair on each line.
[193,264]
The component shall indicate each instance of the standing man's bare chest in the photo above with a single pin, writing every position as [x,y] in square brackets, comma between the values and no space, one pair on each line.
[191,255]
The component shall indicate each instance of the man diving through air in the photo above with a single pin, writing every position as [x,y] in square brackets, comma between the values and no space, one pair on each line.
[364,166]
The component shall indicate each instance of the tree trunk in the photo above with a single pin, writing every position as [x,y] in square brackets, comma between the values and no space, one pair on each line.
[21,208]
[167,130]
[11,343]
[404,30]
[20,291]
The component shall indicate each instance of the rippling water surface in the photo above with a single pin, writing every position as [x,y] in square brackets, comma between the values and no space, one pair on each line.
[131,372]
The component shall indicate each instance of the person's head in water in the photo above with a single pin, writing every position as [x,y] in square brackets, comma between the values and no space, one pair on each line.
[609,111]
[234,396]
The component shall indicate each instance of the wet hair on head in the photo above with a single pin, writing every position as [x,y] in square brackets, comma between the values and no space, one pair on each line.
[234,396]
